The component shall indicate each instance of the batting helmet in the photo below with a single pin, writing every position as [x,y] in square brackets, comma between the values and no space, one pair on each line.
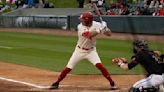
[86,18]
[141,44]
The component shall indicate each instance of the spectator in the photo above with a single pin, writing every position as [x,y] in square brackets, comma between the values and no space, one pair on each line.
[10,2]
[1,6]
[160,12]
[41,3]
[30,3]
[81,3]
[100,3]
[125,10]
[111,12]
[162,2]
[148,2]
[137,12]
[19,3]
[48,5]
[120,8]
[154,4]
[145,10]
[36,3]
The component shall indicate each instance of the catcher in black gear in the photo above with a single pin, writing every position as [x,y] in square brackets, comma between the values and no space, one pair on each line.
[150,61]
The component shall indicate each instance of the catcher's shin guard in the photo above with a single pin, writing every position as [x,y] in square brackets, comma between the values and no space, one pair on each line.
[132,89]
[152,89]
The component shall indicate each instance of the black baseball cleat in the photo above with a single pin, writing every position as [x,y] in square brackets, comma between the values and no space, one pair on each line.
[54,86]
[113,86]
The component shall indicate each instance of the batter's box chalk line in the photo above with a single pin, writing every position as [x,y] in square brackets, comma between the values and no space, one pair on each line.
[25,83]
[42,87]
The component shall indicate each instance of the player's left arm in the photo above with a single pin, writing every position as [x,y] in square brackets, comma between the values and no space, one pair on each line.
[121,62]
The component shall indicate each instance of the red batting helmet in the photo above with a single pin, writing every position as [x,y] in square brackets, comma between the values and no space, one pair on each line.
[86,18]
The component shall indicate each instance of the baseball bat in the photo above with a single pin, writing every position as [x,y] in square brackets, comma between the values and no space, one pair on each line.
[97,11]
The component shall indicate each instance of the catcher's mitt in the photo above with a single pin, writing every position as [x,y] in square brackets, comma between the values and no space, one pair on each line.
[157,53]
[119,60]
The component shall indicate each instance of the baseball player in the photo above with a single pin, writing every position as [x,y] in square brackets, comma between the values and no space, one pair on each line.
[86,47]
[148,61]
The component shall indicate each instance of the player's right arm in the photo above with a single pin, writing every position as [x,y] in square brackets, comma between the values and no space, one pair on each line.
[86,32]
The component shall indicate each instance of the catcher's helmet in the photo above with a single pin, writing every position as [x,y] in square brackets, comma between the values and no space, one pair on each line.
[86,18]
[141,44]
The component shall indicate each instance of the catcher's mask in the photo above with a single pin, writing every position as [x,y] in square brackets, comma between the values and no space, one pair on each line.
[86,18]
[142,44]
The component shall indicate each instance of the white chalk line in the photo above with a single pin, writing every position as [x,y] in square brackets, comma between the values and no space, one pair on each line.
[6,47]
[25,83]
[45,87]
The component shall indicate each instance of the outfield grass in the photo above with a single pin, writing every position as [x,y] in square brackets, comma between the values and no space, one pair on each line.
[53,52]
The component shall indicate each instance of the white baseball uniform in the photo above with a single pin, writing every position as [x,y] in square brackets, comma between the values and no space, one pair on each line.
[85,48]
[152,81]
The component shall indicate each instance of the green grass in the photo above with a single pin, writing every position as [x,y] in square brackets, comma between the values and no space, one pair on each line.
[53,52]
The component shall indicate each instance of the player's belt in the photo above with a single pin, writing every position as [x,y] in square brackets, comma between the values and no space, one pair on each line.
[84,48]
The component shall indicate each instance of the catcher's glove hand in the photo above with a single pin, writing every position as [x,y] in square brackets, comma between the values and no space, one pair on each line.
[119,60]
[157,53]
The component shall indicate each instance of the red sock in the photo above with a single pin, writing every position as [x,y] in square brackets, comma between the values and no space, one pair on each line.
[63,74]
[105,73]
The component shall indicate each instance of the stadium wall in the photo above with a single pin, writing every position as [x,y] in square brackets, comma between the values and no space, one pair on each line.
[68,18]
[128,24]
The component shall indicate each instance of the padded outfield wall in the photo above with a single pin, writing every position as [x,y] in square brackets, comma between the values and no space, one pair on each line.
[129,24]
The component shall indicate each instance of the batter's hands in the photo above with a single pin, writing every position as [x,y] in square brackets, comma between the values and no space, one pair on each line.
[107,31]
[104,29]
[103,26]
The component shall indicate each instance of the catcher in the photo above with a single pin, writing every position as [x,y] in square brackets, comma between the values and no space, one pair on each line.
[149,62]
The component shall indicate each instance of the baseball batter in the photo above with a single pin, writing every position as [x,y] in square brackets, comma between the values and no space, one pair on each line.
[86,47]
[150,62]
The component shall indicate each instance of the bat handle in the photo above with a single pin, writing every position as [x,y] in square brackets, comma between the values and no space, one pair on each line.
[100,19]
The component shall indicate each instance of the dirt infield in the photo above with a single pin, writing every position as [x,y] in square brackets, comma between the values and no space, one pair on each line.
[22,79]
[18,78]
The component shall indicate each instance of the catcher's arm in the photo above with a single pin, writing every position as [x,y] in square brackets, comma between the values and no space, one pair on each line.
[121,62]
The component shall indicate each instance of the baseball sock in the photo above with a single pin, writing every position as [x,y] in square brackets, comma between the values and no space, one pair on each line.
[63,74]
[105,73]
